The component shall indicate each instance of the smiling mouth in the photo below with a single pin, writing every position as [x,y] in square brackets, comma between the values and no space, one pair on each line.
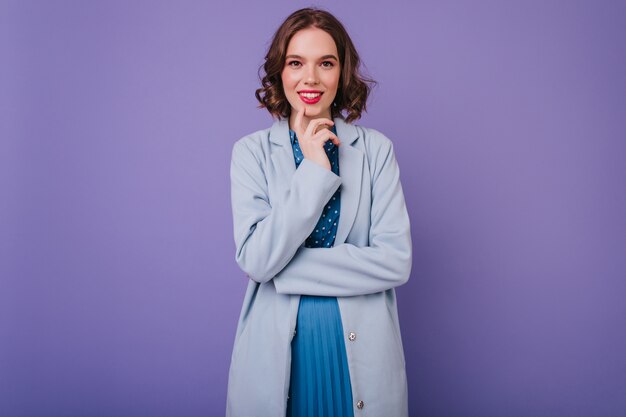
[310,96]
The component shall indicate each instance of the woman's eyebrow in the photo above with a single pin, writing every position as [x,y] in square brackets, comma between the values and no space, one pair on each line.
[324,57]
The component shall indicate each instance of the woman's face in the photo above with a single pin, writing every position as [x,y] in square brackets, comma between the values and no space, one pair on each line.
[311,64]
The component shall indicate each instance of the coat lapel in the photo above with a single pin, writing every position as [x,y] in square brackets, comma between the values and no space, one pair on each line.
[351,173]
[350,169]
[282,156]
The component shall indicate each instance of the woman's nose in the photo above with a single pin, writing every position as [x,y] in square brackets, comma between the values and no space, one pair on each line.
[311,76]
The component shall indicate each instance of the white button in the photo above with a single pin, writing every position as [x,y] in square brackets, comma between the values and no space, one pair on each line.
[360,405]
[352,336]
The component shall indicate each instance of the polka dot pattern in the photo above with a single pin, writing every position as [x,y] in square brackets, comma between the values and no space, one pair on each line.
[324,233]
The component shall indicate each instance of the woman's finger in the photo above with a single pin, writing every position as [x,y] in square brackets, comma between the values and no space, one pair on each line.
[311,129]
[324,135]
[298,122]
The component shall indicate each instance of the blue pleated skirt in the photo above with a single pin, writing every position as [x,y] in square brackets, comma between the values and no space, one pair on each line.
[320,378]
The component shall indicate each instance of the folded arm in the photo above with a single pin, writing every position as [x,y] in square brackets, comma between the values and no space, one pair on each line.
[348,270]
[268,233]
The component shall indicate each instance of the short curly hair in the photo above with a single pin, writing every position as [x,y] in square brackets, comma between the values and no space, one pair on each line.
[354,87]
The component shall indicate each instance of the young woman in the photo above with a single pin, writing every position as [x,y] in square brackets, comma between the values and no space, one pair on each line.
[322,232]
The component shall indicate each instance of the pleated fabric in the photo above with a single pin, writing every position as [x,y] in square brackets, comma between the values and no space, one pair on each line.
[320,379]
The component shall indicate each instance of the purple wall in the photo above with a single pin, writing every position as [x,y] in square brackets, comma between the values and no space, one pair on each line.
[119,293]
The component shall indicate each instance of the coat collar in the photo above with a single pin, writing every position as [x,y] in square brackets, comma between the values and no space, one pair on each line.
[350,169]
[279,132]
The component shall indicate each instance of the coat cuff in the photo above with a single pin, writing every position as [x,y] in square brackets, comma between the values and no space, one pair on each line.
[318,177]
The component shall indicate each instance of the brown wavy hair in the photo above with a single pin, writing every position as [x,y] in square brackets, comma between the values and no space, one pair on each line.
[354,88]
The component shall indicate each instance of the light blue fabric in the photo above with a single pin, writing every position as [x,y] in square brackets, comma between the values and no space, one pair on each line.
[320,378]
[370,257]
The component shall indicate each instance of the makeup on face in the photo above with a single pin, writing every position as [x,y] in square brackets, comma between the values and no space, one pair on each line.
[311,73]
[310,96]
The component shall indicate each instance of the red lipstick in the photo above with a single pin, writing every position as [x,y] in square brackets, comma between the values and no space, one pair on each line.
[310,100]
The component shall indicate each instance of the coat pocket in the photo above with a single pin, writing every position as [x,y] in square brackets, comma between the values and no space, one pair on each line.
[398,338]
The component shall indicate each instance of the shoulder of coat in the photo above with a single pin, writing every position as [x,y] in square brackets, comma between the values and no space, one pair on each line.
[256,142]
[253,145]
[373,140]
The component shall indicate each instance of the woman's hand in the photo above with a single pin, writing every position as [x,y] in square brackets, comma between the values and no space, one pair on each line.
[313,138]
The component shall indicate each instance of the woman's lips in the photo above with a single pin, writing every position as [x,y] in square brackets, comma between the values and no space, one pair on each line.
[310,100]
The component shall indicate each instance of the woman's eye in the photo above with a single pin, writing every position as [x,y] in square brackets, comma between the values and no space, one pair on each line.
[325,64]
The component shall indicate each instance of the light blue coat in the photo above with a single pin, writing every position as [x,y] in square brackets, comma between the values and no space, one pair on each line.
[275,208]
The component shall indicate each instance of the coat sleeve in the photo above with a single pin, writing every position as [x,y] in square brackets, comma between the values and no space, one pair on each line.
[348,270]
[268,233]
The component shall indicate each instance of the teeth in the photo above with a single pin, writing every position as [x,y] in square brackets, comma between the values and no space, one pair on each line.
[310,95]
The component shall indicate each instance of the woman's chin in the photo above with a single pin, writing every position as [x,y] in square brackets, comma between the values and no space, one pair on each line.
[315,111]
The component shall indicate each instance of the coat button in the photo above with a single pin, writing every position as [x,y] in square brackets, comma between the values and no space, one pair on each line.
[360,405]
[352,336]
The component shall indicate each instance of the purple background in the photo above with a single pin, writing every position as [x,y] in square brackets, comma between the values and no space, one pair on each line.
[119,292]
